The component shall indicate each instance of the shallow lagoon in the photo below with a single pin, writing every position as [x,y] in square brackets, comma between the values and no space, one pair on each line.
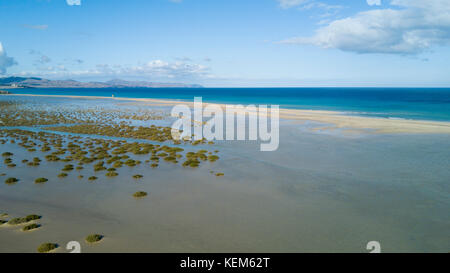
[321,191]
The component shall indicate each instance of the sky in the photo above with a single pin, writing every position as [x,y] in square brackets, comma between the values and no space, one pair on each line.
[229,43]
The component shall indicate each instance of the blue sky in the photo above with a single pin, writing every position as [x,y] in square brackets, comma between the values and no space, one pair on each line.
[229,42]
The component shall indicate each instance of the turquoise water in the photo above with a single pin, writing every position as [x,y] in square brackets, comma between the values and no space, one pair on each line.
[404,103]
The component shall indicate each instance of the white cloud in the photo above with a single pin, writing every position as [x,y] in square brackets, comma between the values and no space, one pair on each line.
[374,2]
[5,61]
[156,70]
[73,2]
[409,27]
[290,3]
[326,10]
[161,69]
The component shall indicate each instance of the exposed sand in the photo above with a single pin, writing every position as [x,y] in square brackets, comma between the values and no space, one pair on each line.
[333,118]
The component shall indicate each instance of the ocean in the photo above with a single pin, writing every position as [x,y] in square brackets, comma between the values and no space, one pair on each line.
[400,103]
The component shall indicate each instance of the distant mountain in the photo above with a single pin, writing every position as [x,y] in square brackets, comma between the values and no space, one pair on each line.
[33,82]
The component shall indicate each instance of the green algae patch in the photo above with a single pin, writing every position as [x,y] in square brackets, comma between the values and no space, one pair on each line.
[213,158]
[68,168]
[7,154]
[40,180]
[62,175]
[23,220]
[94,238]
[138,176]
[131,163]
[140,194]
[52,158]
[193,163]
[92,178]
[11,180]
[220,174]
[30,227]
[117,164]
[99,168]
[47,247]
[171,159]
[111,174]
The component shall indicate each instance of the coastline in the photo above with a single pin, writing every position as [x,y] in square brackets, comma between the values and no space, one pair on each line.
[330,119]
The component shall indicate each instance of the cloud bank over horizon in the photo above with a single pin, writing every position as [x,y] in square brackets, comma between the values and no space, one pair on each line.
[154,70]
[406,27]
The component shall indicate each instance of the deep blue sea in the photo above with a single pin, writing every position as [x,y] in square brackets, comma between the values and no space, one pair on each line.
[405,103]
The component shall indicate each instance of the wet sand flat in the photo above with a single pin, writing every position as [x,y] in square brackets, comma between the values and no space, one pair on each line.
[321,191]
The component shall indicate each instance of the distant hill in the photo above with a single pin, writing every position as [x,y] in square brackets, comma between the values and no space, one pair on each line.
[33,82]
